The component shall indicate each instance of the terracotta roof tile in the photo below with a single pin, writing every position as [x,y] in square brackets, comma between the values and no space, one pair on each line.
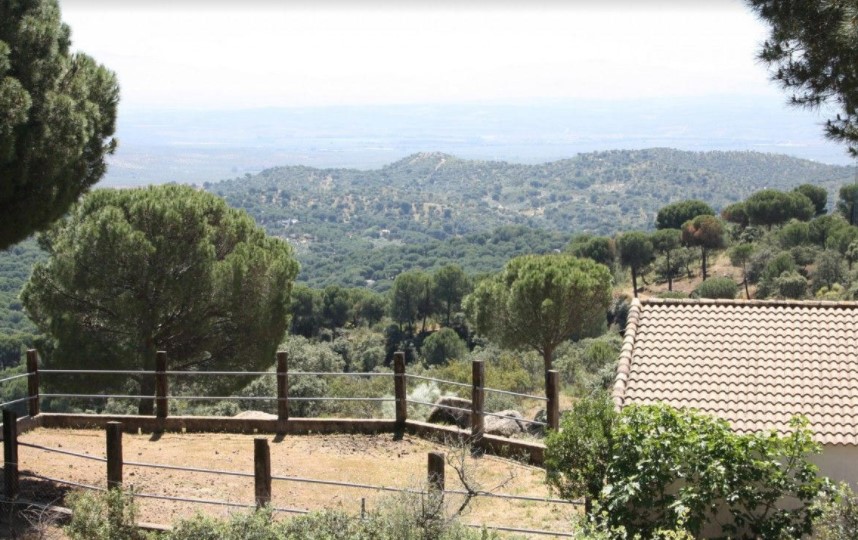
[753,363]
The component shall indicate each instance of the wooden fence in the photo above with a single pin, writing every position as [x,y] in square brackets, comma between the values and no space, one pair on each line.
[285,423]
[262,476]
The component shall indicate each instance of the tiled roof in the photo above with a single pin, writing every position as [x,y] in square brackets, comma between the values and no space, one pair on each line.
[753,363]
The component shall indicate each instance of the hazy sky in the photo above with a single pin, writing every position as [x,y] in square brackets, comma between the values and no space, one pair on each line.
[251,54]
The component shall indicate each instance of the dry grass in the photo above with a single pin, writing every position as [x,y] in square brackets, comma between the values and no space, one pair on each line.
[367,459]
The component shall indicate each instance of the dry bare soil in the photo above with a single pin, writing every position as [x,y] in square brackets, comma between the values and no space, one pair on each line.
[377,460]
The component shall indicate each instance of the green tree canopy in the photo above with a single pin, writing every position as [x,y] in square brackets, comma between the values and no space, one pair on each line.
[818,195]
[443,346]
[705,232]
[674,215]
[772,207]
[599,248]
[540,301]
[736,213]
[450,285]
[408,297]
[636,251]
[847,203]
[164,268]
[58,116]
[811,51]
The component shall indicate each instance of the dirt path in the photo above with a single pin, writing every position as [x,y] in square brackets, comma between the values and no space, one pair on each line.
[375,459]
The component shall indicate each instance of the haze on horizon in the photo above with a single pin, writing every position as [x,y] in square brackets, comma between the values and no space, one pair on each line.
[197,57]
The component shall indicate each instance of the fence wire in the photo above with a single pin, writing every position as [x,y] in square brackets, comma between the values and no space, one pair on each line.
[65,452]
[12,378]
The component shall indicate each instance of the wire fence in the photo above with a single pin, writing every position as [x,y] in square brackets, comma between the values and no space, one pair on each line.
[297,479]
[268,399]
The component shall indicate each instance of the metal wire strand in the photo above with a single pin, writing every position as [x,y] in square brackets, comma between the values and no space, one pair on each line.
[442,381]
[525,531]
[343,484]
[14,401]
[508,393]
[59,481]
[65,452]
[438,405]
[188,469]
[12,378]
[537,422]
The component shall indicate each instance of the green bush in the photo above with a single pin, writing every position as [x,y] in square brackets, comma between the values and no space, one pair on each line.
[103,516]
[443,346]
[719,287]
[100,516]
[672,295]
[577,456]
[657,449]
[791,285]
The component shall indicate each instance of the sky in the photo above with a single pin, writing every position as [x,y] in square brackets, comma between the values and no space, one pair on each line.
[239,55]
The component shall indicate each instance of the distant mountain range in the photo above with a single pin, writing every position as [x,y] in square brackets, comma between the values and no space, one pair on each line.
[342,219]
[189,146]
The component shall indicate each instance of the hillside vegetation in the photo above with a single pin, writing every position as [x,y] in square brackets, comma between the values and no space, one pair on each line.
[350,226]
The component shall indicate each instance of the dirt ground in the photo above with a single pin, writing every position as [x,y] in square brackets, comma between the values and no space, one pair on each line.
[368,459]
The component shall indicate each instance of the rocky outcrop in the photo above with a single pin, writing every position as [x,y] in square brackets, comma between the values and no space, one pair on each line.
[441,414]
[508,426]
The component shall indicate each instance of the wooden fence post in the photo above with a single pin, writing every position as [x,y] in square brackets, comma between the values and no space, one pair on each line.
[399,389]
[10,453]
[114,455]
[33,381]
[161,404]
[282,389]
[435,472]
[478,398]
[552,412]
[262,471]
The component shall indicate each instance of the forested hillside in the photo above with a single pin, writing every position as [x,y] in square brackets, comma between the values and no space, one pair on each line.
[350,226]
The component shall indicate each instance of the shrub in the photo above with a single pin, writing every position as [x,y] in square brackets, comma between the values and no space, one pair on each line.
[657,447]
[838,519]
[719,287]
[102,516]
[673,294]
[443,346]
[791,285]
[577,456]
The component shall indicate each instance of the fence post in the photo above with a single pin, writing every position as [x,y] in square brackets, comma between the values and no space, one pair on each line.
[399,389]
[10,453]
[282,389]
[478,398]
[161,404]
[435,472]
[552,412]
[262,471]
[33,381]
[114,455]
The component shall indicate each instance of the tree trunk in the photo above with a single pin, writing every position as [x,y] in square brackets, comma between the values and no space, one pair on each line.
[147,393]
[634,282]
[703,259]
[745,283]
[147,380]
[669,273]
[547,353]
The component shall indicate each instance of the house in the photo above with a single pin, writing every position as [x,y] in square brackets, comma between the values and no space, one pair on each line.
[752,363]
